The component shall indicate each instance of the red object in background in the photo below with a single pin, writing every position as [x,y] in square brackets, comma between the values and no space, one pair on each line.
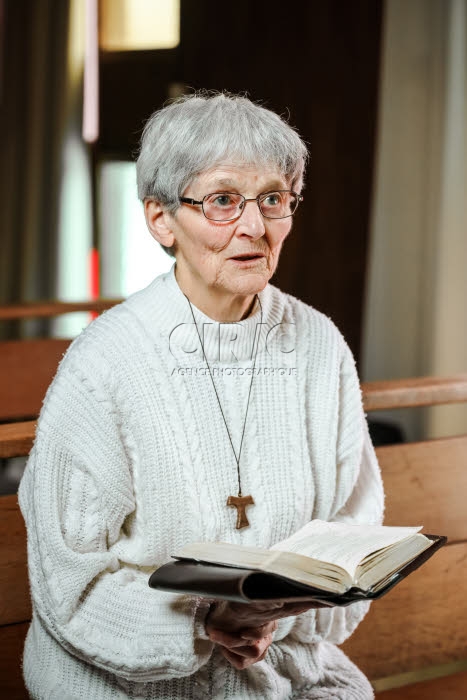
[94,277]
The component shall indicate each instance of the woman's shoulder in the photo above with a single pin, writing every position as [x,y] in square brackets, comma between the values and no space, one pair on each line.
[310,322]
[104,343]
[101,332]
[119,327]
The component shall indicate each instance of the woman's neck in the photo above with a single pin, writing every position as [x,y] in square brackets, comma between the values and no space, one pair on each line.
[225,308]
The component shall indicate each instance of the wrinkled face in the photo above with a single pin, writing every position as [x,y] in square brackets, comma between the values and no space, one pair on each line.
[235,258]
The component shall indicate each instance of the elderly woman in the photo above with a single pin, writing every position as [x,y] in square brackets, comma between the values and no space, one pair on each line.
[208,406]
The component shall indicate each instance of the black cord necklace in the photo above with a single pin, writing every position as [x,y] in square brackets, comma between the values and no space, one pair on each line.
[239,502]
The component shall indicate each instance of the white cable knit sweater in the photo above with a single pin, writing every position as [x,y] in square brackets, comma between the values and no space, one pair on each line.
[132,460]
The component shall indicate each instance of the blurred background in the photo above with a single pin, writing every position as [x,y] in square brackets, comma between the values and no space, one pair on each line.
[377,88]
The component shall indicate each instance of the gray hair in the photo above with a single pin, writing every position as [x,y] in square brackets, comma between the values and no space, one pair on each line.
[199,131]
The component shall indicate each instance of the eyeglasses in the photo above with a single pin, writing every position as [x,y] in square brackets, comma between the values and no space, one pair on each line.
[228,206]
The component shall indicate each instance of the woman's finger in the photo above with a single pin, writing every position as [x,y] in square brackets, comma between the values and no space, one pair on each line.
[254,614]
[238,662]
[253,633]
[250,651]
[242,658]
[244,637]
[225,639]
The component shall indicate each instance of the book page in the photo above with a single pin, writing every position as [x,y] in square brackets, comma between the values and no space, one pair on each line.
[304,569]
[375,574]
[341,543]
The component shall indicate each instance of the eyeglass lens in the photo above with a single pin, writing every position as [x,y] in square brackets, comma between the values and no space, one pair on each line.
[222,206]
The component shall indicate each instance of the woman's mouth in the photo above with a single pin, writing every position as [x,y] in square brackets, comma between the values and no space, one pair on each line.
[247,257]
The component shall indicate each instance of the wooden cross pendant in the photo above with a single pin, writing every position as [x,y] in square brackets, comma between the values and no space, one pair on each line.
[240,503]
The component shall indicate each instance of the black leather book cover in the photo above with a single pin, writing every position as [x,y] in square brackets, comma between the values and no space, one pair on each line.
[248,585]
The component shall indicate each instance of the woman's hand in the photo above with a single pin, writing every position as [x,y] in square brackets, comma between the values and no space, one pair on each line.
[244,632]
[244,647]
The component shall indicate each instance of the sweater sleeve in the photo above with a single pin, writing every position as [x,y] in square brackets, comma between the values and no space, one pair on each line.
[358,498]
[75,496]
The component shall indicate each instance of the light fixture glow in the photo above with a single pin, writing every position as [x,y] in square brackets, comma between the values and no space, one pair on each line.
[130,25]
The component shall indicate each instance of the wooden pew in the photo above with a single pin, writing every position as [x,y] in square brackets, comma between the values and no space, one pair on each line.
[419,630]
[413,642]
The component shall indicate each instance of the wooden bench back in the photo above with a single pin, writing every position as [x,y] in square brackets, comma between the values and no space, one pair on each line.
[28,366]
[26,370]
[421,626]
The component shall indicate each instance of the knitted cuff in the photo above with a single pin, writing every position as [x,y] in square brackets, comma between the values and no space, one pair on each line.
[203,607]
[284,627]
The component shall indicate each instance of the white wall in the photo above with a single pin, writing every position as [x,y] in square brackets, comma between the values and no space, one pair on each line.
[417,284]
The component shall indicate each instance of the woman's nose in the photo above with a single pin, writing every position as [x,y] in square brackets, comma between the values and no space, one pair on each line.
[251,221]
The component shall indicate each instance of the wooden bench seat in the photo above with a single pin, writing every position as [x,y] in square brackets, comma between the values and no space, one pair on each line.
[446,687]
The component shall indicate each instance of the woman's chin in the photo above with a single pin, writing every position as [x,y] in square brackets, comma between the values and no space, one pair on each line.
[248,282]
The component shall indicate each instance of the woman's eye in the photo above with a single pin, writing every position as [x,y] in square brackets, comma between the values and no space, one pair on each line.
[272,200]
[223,200]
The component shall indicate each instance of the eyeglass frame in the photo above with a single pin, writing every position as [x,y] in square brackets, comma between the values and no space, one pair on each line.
[189,200]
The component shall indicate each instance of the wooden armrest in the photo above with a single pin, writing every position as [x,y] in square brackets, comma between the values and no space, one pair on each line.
[48,309]
[16,438]
[419,391]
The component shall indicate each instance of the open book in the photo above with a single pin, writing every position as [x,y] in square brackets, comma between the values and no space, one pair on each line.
[335,563]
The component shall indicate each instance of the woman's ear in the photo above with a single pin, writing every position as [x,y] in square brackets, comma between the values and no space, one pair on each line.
[159,223]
